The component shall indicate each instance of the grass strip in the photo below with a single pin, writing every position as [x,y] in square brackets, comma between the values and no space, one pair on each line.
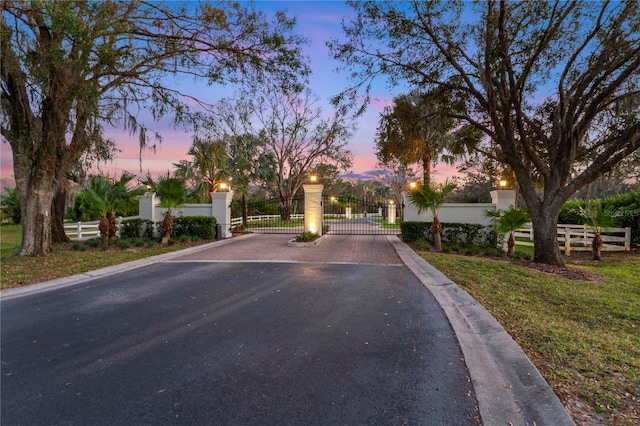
[584,336]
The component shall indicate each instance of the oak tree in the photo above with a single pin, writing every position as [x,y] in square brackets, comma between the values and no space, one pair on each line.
[552,84]
[70,67]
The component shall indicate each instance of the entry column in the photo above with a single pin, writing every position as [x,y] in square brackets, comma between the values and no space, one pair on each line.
[313,208]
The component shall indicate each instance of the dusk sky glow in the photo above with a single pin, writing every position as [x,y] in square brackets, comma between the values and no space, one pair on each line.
[319,21]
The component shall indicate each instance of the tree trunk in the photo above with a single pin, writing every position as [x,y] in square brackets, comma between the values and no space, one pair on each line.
[426,166]
[285,208]
[437,230]
[58,236]
[511,243]
[596,246]
[113,224]
[103,227]
[167,227]
[36,215]
[545,239]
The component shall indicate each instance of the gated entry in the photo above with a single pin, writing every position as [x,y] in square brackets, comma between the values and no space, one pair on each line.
[352,217]
[358,217]
[271,216]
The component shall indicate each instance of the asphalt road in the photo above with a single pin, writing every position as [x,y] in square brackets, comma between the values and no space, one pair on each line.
[243,343]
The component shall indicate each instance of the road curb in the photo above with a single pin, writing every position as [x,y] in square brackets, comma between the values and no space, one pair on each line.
[64,282]
[509,389]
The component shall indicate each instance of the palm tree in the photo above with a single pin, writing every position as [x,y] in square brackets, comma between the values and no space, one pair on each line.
[172,192]
[418,129]
[209,167]
[432,197]
[250,162]
[105,195]
[509,221]
[599,216]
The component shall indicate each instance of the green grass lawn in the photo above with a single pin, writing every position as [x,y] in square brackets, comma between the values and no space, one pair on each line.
[71,259]
[584,336]
[276,223]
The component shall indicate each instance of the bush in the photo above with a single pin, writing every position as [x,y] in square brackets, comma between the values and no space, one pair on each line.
[93,242]
[137,228]
[628,204]
[202,227]
[10,205]
[123,244]
[467,234]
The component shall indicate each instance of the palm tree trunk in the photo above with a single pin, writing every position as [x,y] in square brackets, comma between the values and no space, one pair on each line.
[597,245]
[437,229]
[167,227]
[103,227]
[511,243]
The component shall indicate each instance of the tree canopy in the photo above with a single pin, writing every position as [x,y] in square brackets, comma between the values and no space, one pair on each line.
[553,85]
[414,130]
[69,67]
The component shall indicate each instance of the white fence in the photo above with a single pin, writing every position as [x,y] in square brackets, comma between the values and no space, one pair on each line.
[237,221]
[86,230]
[580,237]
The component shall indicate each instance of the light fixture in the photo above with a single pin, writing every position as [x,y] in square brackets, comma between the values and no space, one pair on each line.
[391,202]
[413,185]
[313,179]
[503,183]
[223,186]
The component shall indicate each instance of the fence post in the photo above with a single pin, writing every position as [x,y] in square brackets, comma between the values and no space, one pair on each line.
[567,241]
[79,230]
[627,238]
[119,221]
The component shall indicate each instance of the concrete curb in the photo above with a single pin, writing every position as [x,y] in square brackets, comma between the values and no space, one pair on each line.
[316,242]
[509,389]
[110,270]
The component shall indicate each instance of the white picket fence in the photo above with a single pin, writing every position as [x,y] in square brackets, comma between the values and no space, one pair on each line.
[580,237]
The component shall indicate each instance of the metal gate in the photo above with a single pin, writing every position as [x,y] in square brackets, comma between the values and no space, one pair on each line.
[350,216]
[268,216]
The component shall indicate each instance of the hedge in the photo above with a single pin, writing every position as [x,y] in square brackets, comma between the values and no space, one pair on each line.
[453,233]
[195,226]
[137,228]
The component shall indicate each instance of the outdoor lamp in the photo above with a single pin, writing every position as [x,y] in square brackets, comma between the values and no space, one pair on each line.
[413,185]
[313,179]
[503,183]
[224,186]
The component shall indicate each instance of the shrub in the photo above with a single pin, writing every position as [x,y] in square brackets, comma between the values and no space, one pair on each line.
[306,237]
[455,233]
[123,244]
[93,242]
[628,205]
[78,247]
[202,227]
[137,228]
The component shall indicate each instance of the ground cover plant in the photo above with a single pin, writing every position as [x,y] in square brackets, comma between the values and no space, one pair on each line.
[579,325]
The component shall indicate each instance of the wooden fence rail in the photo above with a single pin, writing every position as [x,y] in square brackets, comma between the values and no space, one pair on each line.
[580,237]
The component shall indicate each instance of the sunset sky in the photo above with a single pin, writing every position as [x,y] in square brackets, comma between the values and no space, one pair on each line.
[317,20]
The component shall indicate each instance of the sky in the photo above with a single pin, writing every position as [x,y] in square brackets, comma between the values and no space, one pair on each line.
[319,21]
